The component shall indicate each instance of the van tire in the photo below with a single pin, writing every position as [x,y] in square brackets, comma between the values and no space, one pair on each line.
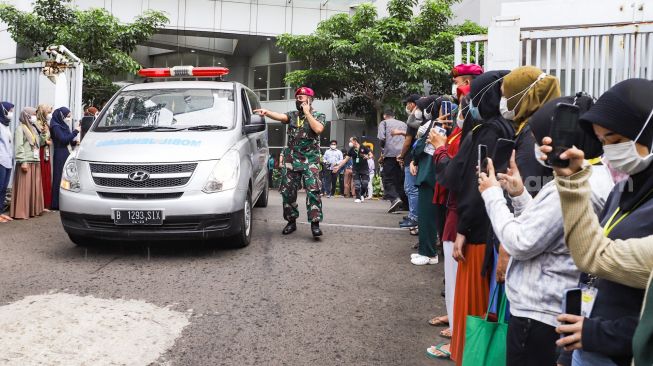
[262,200]
[244,237]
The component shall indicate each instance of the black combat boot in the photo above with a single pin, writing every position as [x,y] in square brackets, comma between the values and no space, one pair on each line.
[315,229]
[290,228]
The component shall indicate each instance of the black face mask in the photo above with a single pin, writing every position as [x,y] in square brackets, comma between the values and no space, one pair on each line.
[299,105]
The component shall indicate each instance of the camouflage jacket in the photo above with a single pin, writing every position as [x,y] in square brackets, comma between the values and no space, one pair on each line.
[303,143]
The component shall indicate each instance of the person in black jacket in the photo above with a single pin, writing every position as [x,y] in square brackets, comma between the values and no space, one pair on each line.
[472,282]
[525,90]
[622,120]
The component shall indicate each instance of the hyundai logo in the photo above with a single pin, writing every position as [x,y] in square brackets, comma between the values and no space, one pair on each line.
[139,176]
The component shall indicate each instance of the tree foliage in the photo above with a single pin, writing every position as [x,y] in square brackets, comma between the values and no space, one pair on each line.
[373,61]
[95,36]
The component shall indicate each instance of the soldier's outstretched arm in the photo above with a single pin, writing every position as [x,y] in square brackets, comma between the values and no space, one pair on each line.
[281,117]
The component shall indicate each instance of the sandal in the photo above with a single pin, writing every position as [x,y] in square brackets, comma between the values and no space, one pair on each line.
[7,218]
[414,231]
[2,219]
[437,352]
[440,321]
[445,333]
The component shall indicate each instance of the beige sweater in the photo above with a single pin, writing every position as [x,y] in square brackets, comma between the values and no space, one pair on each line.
[628,262]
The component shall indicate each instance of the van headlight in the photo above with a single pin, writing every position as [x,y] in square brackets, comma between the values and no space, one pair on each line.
[225,174]
[70,176]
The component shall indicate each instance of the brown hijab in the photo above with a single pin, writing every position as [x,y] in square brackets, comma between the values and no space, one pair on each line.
[527,89]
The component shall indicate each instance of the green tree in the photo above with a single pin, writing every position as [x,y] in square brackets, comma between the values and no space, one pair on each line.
[95,36]
[374,62]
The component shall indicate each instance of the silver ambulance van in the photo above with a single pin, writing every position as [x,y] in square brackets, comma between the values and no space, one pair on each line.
[169,160]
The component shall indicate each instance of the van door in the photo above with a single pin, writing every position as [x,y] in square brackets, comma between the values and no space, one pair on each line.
[258,142]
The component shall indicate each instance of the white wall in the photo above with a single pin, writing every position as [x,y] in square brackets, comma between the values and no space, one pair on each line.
[548,13]
[264,17]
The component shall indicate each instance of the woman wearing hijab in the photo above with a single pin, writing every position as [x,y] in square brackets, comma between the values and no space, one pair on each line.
[6,154]
[524,91]
[472,280]
[541,268]
[62,139]
[43,116]
[27,195]
[422,168]
[446,148]
[621,120]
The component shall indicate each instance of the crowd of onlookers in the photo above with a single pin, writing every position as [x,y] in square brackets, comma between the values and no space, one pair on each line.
[33,151]
[346,173]
[547,231]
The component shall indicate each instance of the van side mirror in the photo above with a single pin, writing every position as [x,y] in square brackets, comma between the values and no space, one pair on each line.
[256,124]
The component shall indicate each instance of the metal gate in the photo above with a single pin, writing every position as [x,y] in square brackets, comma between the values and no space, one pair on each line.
[590,59]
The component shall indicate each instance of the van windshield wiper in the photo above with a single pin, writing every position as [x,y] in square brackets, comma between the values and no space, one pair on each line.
[145,128]
[207,128]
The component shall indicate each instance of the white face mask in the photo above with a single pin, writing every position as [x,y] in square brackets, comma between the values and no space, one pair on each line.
[49,116]
[32,119]
[427,115]
[505,112]
[418,114]
[503,104]
[351,144]
[68,120]
[624,156]
[333,147]
[10,116]
[408,110]
[460,120]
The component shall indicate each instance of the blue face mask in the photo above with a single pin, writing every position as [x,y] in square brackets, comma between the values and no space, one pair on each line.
[474,111]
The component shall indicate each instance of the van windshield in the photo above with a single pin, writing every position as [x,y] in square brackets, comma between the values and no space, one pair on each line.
[168,109]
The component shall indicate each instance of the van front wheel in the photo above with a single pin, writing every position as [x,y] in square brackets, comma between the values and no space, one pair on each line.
[244,237]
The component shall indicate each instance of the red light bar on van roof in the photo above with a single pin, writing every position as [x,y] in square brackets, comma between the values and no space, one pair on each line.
[178,71]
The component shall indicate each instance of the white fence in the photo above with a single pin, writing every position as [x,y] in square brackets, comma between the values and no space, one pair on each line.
[590,59]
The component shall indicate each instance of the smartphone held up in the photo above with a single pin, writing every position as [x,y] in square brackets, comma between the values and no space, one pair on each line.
[563,131]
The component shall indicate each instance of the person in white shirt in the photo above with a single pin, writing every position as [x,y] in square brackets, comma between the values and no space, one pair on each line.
[331,158]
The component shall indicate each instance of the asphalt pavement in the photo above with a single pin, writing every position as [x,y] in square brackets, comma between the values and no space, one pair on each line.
[349,298]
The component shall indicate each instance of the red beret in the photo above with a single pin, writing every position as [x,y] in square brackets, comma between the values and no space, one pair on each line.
[466,69]
[305,91]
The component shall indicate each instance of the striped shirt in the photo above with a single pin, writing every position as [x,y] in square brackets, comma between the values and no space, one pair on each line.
[540,267]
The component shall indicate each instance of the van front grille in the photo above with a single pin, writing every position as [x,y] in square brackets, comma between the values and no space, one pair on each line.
[151,175]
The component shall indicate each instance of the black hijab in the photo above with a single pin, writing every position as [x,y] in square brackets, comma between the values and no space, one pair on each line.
[5,108]
[486,93]
[541,121]
[624,109]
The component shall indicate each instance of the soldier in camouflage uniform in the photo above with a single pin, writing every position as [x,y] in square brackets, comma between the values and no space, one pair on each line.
[301,160]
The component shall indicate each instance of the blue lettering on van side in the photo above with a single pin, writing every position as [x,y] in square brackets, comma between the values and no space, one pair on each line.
[149,141]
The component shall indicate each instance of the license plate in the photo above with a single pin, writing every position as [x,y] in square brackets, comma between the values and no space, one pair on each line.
[138,217]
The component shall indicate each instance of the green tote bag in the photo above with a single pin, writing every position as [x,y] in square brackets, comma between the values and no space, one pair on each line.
[485,341]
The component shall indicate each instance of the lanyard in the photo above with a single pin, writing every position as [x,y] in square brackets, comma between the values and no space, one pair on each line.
[607,229]
[594,161]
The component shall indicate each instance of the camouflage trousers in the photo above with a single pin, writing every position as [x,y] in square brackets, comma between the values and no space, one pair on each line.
[291,182]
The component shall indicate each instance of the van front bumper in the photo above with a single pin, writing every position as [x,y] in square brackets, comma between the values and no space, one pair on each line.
[194,227]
